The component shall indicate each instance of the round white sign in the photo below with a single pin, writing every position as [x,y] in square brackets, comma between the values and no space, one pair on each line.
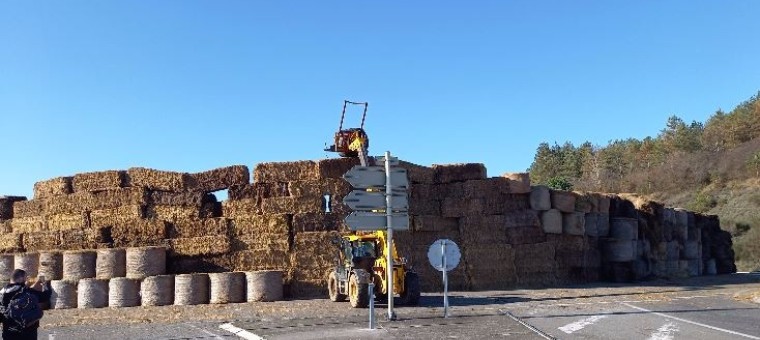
[436,254]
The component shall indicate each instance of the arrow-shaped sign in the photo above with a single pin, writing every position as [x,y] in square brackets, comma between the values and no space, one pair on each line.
[360,220]
[373,200]
[362,177]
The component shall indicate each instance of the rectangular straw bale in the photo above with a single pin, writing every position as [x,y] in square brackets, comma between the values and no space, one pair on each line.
[285,171]
[29,224]
[241,208]
[424,206]
[525,235]
[427,238]
[203,245]
[53,187]
[308,222]
[481,188]
[79,239]
[117,197]
[268,259]
[262,242]
[494,204]
[41,240]
[11,242]
[30,208]
[258,190]
[182,199]
[332,186]
[139,232]
[535,258]
[69,204]
[172,212]
[100,180]
[563,201]
[433,223]
[219,178]
[184,228]
[418,174]
[6,206]
[519,182]
[111,217]
[447,173]
[68,221]
[335,167]
[314,251]
[498,272]
[292,205]
[158,179]
[260,224]
[6,227]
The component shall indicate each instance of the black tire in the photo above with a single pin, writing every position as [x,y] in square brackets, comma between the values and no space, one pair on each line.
[411,294]
[358,286]
[332,287]
[379,295]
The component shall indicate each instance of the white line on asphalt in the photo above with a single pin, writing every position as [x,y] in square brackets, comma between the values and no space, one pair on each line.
[216,336]
[665,332]
[578,325]
[527,325]
[240,332]
[693,323]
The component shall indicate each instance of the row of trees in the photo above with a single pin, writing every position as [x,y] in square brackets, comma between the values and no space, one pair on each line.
[679,155]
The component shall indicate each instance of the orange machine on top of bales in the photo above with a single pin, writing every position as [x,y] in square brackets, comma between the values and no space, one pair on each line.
[360,259]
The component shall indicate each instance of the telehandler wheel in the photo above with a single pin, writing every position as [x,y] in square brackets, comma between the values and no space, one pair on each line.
[332,287]
[411,294]
[358,294]
[379,295]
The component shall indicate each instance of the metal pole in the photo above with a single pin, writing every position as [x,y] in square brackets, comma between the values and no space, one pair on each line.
[389,238]
[445,281]
[371,294]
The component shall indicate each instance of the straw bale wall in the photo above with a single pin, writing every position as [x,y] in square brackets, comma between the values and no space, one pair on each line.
[511,234]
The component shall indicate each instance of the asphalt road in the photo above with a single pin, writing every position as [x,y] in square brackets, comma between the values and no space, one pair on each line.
[696,308]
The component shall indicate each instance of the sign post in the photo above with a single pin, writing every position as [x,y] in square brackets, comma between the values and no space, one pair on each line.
[444,255]
[376,209]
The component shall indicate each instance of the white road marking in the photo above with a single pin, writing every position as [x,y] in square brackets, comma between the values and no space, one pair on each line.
[665,332]
[240,332]
[216,336]
[578,325]
[693,323]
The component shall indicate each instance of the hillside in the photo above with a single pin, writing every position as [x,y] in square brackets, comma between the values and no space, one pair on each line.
[711,167]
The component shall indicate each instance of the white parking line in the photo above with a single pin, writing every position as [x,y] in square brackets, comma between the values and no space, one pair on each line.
[578,325]
[665,332]
[240,332]
[693,323]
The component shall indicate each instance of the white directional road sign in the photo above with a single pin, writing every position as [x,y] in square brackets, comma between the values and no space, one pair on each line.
[362,177]
[373,200]
[381,160]
[435,255]
[360,220]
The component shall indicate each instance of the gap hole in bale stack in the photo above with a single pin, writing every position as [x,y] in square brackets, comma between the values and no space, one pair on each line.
[326,202]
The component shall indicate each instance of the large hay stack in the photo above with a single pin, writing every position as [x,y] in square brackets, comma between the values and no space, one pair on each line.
[510,234]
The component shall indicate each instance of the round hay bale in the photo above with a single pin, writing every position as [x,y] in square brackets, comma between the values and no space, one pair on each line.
[51,265]
[157,290]
[30,262]
[63,294]
[690,250]
[191,289]
[624,229]
[123,292]
[227,287]
[265,285]
[146,261]
[6,267]
[111,263]
[79,264]
[93,293]
[619,251]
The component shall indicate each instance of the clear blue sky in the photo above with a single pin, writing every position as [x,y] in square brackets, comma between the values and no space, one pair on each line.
[192,85]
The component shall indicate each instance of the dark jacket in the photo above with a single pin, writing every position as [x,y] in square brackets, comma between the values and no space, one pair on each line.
[7,293]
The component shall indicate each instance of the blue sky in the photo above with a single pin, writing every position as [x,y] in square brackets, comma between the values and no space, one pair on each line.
[193,85]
